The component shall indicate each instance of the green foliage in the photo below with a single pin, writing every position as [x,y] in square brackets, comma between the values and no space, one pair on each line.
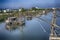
[23,10]
[33,8]
[3,17]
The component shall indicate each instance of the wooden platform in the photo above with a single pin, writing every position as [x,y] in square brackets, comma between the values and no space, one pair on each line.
[54,38]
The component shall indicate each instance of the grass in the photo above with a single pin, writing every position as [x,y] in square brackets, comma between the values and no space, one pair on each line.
[3,17]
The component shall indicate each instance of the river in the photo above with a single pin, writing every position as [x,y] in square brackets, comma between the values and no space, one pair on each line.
[34,29]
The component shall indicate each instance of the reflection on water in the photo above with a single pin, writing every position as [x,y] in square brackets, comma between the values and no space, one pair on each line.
[32,30]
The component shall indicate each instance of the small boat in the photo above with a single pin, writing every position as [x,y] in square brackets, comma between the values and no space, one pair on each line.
[29,17]
[44,11]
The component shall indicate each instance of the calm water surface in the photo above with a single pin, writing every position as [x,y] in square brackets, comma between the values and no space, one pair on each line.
[35,29]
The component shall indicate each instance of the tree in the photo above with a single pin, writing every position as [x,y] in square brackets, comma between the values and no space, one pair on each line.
[23,10]
[33,8]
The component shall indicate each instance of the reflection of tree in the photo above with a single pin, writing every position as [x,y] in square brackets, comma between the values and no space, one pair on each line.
[22,32]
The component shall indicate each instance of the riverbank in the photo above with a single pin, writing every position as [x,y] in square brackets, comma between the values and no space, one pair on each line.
[4,16]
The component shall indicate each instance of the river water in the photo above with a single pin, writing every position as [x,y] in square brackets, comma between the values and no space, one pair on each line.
[34,29]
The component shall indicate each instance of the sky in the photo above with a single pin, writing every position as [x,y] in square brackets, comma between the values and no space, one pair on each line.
[29,3]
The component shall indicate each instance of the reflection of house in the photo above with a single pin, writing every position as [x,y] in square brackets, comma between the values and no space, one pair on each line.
[13,22]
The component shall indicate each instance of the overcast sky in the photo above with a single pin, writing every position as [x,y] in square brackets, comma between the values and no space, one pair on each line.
[29,3]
